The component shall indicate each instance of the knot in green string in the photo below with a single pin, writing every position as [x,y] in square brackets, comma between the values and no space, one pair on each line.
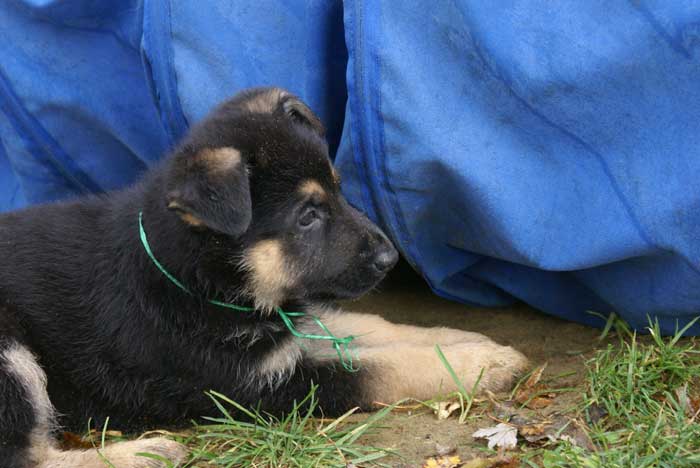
[341,345]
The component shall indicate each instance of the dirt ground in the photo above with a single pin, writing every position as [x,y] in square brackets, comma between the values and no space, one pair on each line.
[405,298]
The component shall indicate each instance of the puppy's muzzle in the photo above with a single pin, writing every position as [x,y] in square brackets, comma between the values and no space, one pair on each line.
[385,255]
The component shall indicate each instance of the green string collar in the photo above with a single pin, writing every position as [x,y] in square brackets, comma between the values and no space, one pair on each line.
[341,345]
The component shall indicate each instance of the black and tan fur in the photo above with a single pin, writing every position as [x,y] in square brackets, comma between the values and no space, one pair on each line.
[246,210]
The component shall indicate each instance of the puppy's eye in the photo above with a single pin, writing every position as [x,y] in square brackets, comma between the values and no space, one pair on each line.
[309,218]
[213,196]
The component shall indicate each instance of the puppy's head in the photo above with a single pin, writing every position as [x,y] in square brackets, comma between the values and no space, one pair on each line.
[256,176]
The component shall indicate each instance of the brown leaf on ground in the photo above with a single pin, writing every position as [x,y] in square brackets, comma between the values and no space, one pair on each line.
[532,393]
[696,414]
[543,430]
[539,402]
[533,432]
[535,377]
[536,397]
[557,428]
[695,404]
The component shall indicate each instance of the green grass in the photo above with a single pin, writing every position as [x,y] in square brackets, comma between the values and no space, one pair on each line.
[466,399]
[647,388]
[296,440]
[643,386]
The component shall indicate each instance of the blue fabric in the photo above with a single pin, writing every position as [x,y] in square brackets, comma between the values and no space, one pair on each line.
[92,93]
[547,152]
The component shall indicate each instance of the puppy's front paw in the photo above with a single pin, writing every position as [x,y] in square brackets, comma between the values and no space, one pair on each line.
[119,455]
[405,370]
[128,453]
[503,368]
[501,365]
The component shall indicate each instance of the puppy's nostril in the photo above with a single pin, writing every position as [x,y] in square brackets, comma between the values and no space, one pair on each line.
[385,260]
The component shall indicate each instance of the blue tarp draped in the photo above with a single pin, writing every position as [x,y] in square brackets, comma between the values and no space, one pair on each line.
[539,151]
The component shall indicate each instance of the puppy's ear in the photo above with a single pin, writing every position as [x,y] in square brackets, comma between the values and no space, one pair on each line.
[210,189]
[278,101]
[296,110]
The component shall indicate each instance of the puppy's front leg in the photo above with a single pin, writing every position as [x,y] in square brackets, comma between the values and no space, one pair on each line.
[337,389]
[403,370]
[373,330]
[393,372]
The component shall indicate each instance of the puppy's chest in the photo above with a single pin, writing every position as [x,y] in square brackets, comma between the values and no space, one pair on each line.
[266,349]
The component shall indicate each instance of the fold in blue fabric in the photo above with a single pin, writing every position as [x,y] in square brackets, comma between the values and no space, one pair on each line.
[545,152]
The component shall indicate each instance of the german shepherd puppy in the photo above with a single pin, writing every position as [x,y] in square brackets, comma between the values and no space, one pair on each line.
[111,305]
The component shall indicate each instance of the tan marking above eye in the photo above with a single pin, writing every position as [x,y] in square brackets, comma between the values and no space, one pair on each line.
[265,102]
[312,187]
[187,218]
[220,159]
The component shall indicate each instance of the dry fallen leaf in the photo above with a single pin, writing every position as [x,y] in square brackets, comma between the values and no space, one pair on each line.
[533,432]
[443,462]
[443,409]
[501,435]
[558,428]
[539,431]
[539,402]
[695,406]
[535,377]
[533,394]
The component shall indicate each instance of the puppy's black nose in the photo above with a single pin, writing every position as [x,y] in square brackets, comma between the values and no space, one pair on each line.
[386,258]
